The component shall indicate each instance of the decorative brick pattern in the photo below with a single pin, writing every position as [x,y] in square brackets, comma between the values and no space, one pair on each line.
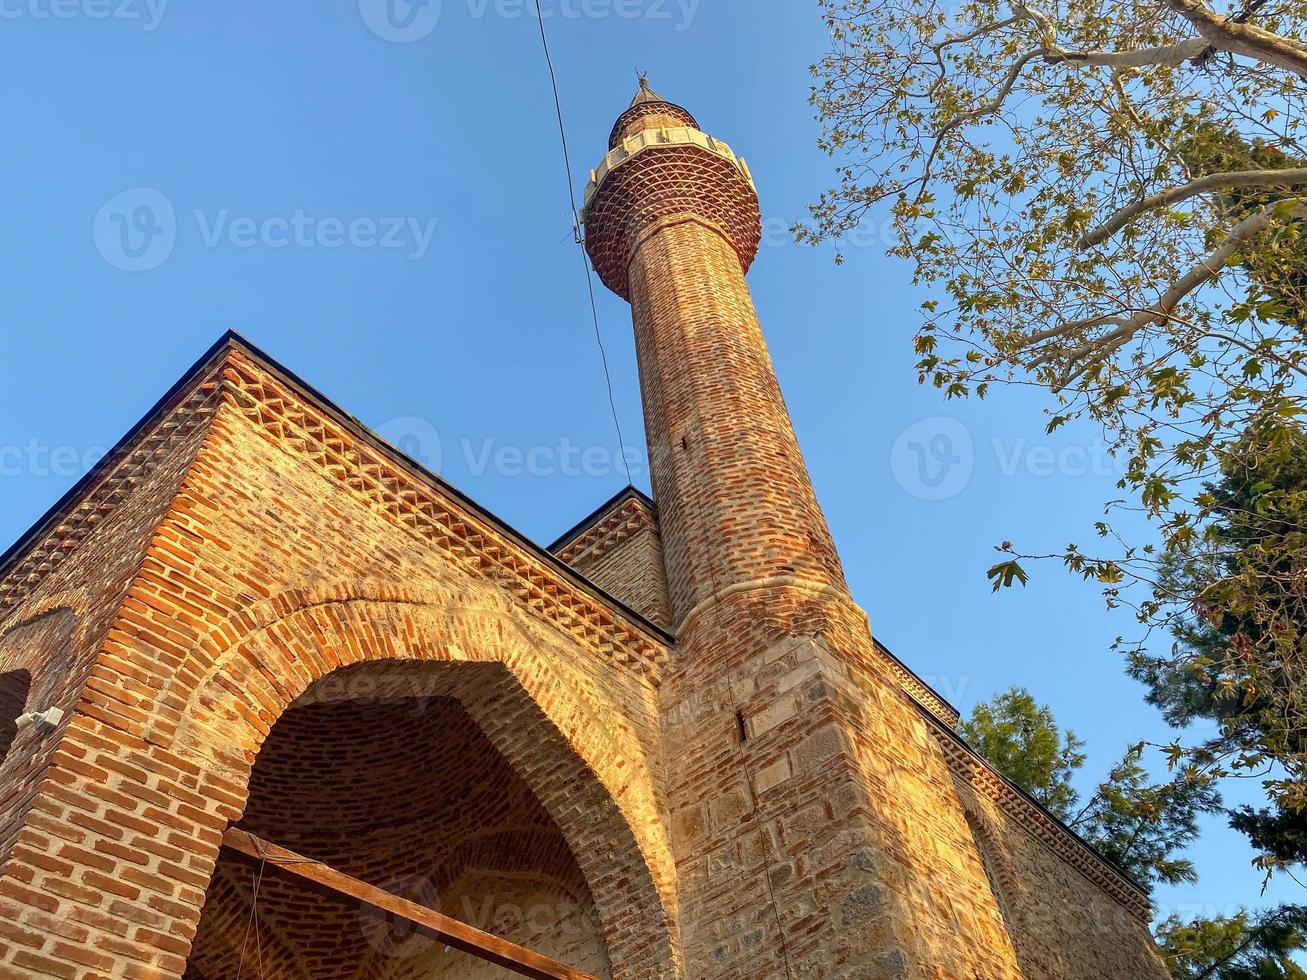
[918,690]
[662,182]
[622,552]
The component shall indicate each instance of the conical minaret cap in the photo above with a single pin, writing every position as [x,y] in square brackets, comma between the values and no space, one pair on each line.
[645,93]
[649,110]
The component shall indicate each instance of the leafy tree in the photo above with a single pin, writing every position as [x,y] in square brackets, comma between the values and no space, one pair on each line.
[1135,823]
[1022,740]
[1239,947]
[1139,825]
[1238,658]
[1107,202]
[1281,271]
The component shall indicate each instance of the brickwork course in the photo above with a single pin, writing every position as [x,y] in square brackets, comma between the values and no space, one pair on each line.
[668,747]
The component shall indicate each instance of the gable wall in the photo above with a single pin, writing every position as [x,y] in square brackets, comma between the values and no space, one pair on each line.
[291,550]
[622,553]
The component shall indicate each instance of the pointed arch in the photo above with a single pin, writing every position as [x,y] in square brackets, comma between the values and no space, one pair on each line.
[512,678]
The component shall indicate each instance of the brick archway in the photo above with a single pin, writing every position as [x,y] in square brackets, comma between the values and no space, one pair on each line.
[511,677]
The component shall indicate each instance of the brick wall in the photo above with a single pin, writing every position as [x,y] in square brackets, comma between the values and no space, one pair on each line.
[621,551]
[407,793]
[59,597]
[289,549]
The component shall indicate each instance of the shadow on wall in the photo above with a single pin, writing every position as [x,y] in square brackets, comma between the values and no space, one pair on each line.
[408,794]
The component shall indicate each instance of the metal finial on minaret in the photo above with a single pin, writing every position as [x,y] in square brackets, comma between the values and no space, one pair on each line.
[645,94]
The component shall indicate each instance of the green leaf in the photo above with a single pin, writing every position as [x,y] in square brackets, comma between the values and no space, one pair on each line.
[1006,573]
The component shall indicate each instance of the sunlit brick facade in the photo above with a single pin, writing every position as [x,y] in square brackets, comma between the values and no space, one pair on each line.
[668,747]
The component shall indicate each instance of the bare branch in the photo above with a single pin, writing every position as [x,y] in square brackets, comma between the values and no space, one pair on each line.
[1202,185]
[1167,54]
[994,104]
[972,35]
[1249,40]
[988,109]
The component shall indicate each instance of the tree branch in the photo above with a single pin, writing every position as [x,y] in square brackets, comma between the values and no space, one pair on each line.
[1249,40]
[994,104]
[1203,272]
[989,108]
[1167,54]
[997,25]
[1202,185]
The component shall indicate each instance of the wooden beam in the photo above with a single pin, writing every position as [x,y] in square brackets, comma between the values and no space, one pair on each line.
[442,928]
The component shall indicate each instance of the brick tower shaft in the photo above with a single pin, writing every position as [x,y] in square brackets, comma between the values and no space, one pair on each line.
[741,508]
[674,230]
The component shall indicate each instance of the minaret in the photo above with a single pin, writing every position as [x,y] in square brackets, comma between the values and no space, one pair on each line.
[813,816]
[673,224]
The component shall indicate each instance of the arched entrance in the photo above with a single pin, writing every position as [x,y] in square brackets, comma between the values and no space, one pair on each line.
[380,772]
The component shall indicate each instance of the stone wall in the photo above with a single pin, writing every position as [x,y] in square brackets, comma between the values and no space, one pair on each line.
[1069,913]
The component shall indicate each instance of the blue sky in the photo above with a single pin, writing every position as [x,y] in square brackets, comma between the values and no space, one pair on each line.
[381,205]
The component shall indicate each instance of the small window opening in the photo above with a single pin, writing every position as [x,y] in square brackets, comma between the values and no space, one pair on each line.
[14,688]
[741,725]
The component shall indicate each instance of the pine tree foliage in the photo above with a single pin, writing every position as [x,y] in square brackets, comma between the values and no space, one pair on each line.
[1134,822]
[1238,947]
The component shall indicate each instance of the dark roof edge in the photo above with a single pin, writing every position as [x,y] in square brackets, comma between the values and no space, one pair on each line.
[231,340]
[43,523]
[917,677]
[1121,873]
[598,514]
